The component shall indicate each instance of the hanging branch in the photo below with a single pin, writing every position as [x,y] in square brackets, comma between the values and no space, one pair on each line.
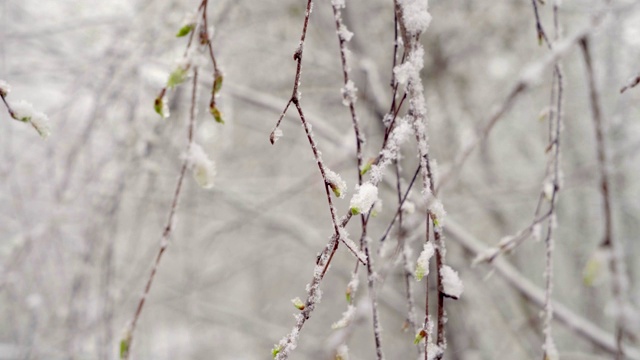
[361,202]
[127,340]
[24,112]
[193,24]
[609,243]
[448,283]
[349,98]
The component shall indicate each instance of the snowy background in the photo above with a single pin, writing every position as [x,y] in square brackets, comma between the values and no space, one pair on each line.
[82,213]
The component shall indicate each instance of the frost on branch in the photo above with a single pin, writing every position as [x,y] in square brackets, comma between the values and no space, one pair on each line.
[5,88]
[338,3]
[451,284]
[436,208]
[204,169]
[349,94]
[550,350]
[347,316]
[422,265]
[415,15]
[338,186]
[24,111]
[352,287]
[366,195]
[297,302]
[275,135]
[391,150]
[344,237]
[342,353]
[409,71]
[344,33]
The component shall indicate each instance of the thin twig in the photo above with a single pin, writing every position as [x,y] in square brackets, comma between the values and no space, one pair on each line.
[349,98]
[633,83]
[528,78]
[608,242]
[164,240]
[564,314]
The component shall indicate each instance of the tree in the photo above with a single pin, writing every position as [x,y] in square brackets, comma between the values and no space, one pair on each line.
[114,249]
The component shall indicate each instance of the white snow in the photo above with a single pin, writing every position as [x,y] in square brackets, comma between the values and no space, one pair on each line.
[399,134]
[422,265]
[336,183]
[276,135]
[353,284]
[204,169]
[550,349]
[416,15]
[338,3]
[377,208]
[344,33]
[408,207]
[5,88]
[40,122]
[347,316]
[437,210]
[451,284]
[342,353]
[349,93]
[24,111]
[366,195]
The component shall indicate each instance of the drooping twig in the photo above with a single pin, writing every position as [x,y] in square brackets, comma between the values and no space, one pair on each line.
[549,347]
[633,83]
[349,99]
[609,243]
[127,340]
[542,35]
[387,155]
[24,112]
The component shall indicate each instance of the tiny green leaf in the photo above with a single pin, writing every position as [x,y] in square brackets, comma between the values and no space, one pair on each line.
[185,30]
[276,350]
[216,114]
[336,190]
[420,270]
[419,336]
[124,348]
[365,168]
[217,83]
[158,105]
[298,303]
[540,38]
[177,77]
[355,211]
[592,271]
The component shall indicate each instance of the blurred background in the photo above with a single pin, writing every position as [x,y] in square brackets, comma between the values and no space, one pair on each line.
[82,213]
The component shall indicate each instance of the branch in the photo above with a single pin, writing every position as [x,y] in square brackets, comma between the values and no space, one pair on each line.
[608,242]
[127,340]
[573,321]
